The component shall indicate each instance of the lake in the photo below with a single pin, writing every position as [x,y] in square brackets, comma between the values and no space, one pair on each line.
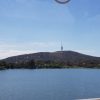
[49,84]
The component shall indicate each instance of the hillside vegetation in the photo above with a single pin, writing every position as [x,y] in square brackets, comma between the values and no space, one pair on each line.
[59,59]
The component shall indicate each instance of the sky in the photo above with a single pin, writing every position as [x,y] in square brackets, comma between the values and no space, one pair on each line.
[29,26]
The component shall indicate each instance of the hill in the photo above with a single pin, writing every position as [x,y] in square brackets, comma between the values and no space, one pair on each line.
[54,59]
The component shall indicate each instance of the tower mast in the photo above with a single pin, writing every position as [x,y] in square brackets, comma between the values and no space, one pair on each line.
[61,47]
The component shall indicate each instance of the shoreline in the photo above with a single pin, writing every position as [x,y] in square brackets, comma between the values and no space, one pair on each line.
[46,68]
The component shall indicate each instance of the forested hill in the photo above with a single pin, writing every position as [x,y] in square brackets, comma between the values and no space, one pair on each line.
[58,59]
[62,56]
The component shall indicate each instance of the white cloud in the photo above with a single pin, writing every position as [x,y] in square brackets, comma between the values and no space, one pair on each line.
[8,53]
[90,52]
[11,49]
[86,51]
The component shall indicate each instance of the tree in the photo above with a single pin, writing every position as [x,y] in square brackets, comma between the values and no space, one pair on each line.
[31,64]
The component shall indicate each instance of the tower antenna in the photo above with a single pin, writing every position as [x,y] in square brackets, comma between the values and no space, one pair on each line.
[61,47]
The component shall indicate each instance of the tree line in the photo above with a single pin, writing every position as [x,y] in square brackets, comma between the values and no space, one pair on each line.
[32,64]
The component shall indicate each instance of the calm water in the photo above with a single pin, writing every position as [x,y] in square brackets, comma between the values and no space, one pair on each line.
[49,84]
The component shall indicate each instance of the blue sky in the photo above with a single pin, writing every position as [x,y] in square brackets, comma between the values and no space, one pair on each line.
[28,26]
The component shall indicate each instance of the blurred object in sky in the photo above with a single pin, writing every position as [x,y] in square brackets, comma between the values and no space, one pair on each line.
[62,1]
